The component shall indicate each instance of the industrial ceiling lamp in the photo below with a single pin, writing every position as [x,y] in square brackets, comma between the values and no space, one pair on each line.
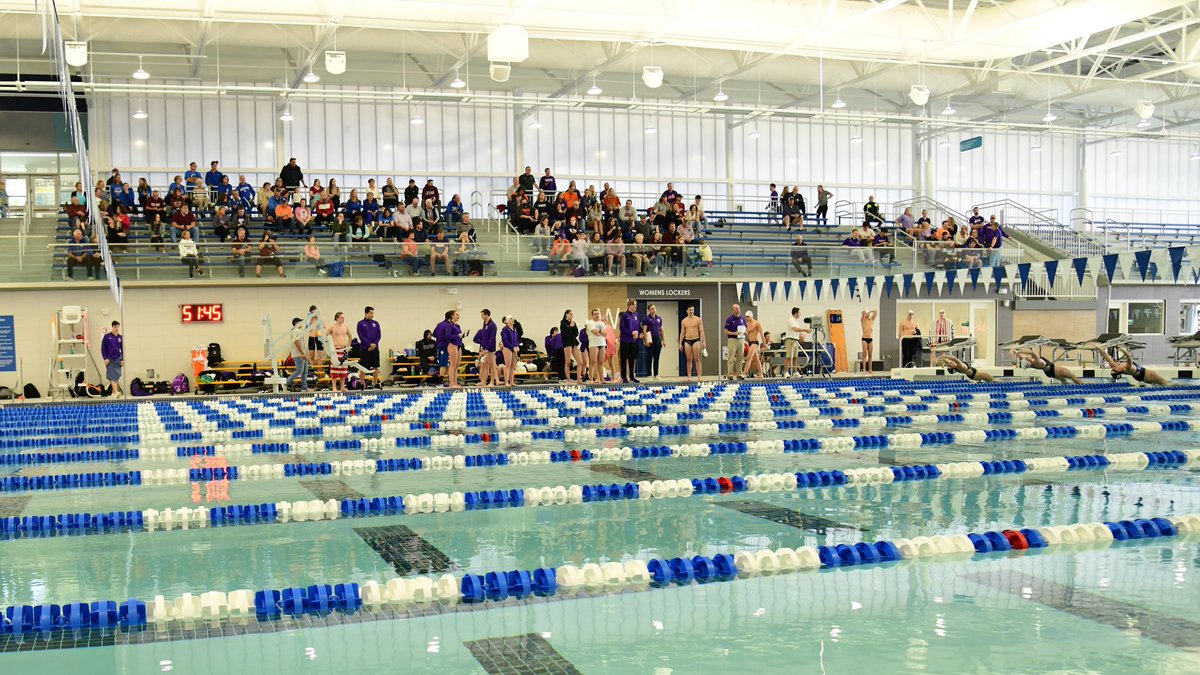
[721,96]
[1036,147]
[140,73]
[944,143]
[458,82]
[857,137]
[286,115]
[839,103]
[416,120]
[1144,124]
[650,129]
[140,114]
[535,124]
[1115,152]
[755,133]
[335,62]
[595,89]
[949,109]
[311,77]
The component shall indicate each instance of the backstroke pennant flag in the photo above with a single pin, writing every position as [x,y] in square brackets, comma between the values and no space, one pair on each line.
[1176,255]
[787,290]
[772,285]
[951,276]
[1051,272]
[973,274]
[929,276]
[758,286]
[852,285]
[869,282]
[802,286]
[888,282]
[998,274]
[817,285]
[907,287]
[1023,272]
[833,287]
[1080,265]
[1110,265]
[1142,259]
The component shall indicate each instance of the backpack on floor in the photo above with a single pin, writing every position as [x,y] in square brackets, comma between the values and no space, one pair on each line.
[180,384]
[136,388]
[160,387]
[337,270]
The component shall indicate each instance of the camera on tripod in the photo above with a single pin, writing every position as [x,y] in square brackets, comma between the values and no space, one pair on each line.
[817,322]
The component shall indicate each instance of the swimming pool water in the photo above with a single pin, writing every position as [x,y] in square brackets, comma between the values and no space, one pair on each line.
[1119,607]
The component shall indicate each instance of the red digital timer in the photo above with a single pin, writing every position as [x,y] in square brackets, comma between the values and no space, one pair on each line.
[202,313]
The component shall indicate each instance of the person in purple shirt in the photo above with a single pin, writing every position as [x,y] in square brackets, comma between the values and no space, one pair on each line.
[991,237]
[449,338]
[735,338]
[629,325]
[510,343]
[112,350]
[547,185]
[485,337]
[368,342]
[554,352]
[653,339]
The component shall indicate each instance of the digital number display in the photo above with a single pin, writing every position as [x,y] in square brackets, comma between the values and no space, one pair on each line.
[202,313]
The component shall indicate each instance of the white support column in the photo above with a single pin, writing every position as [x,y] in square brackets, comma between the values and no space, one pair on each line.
[729,196]
[1081,178]
[928,153]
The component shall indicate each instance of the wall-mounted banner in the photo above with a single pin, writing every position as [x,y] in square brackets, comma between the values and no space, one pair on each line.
[8,345]
[659,292]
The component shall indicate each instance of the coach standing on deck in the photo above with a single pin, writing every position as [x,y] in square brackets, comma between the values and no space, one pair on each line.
[368,342]
[112,350]
[630,326]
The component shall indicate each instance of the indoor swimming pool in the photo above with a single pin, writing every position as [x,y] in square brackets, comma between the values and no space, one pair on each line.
[784,526]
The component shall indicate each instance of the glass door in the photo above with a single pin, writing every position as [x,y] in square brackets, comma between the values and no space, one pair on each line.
[15,199]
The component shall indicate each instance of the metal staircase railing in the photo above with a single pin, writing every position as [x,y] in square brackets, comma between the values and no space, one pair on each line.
[1046,229]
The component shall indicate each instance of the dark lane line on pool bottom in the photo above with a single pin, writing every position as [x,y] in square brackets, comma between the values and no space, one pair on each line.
[331,489]
[519,655]
[1169,630]
[789,517]
[406,551]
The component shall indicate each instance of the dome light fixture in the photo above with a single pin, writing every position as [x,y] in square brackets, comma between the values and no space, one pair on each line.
[1144,124]
[755,133]
[311,77]
[140,114]
[535,124]
[458,82]
[949,109]
[721,96]
[595,89]
[1115,152]
[650,129]
[140,73]
[1195,155]
[286,115]
[416,120]
[838,104]
[1049,117]
[856,138]
[1036,147]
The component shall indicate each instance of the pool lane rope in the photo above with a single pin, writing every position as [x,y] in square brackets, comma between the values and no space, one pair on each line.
[314,510]
[449,590]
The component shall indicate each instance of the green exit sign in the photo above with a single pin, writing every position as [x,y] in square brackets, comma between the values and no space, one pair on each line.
[970,144]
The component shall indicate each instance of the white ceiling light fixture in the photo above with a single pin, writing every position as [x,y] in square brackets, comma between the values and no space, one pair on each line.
[949,109]
[140,73]
[1115,152]
[721,96]
[838,104]
[1144,109]
[1049,116]
[535,124]
[919,94]
[458,81]
[1036,147]
[857,137]
[755,133]
[650,129]
[286,115]
[1195,155]
[652,76]
[1144,124]
[335,62]
[140,114]
[311,77]
[416,120]
[595,89]
[944,143]
[76,53]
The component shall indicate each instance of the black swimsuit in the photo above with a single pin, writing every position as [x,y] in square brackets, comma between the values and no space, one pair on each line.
[1138,374]
[971,372]
[1048,369]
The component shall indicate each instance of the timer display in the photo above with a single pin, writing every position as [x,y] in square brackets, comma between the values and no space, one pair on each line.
[202,313]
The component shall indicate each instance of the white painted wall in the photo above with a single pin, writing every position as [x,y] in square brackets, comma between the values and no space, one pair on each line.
[471,147]
[155,337]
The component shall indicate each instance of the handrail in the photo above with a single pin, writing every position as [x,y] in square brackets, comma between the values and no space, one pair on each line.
[1039,226]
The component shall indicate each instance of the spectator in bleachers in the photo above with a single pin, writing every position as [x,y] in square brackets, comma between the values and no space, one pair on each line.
[579,254]
[212,178]
[571,199]
[628,215]
[411,192]
[611,229]
[194,180]
[414,210]
[114,178]
[656,252]
[80,251]
[80,193]
[548,185]
[262,200]
[292,176]
[560,252]
[340,229]
[374,190]
[637,253]
[661,213]
[615,256]
[225,192]
[155,226]
[924,221]
[469,228]
[905,220]
[431,215]
[323,210]
[596,253]
[240,249]
[971,253]
[773,204]
[100,196]
[644,227]
[991,238]
[116,235]
[542,205]
[268,254]
[801,260]
[385,226]
[354,206]
[801,207]
[670,193]
[360,230]
[704,254]
[823,197]
[391,194]
[244,194]
[593,216]
[439,250]
[558,213]
[513,190]
[466,254]
[542,236]
[454,211]
[430,193]
[686,234]
[128,198]
[609,201]
[143,193]
[527,180]
[420,235]
[335,193]
[976,220]
[871,213]
[241,218]
[314,192]
[961,236]
[312,253]
[77,215]
[698,207]
[285,216]
[854,243]
[189,255]
[883,248]
[410,255]
[183,221]
[370,210]
[789,208]
[589,199]
[403,223]
[221,223]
